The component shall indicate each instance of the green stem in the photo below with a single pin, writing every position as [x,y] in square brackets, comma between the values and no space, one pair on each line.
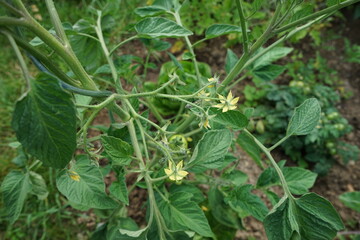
[20,58]
[122,43]
[239,66]
[10,21]
[114,73]
[274,164]
[135,143]
[55,19]
[190,48]
[153,207]
[11,8]
[243,26]
[66,53]
[185,124]
[315,15]
[237,81]
[195,131]
[154,111]
[50,65]
[138,123]
[278,143]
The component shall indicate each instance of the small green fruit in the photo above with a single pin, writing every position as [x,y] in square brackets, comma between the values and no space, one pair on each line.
[260,127]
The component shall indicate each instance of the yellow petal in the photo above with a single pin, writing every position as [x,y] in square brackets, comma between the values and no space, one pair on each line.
[172,177]
[232,107]
[168,172]
[170,165]
[180,165]
[221,97]
[225,109]
[234,101]
[211,79]
[229,96]
[180,175]
[219,105]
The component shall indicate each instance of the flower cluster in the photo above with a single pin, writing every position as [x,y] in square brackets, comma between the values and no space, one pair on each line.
[175,173]
[228,103]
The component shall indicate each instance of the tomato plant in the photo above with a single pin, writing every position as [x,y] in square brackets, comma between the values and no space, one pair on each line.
[174,148]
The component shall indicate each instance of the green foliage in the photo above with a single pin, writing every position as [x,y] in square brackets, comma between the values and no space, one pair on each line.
[170,137]
[282,223]
[160,27]
[180,213]
[211,149]
[45,123]
[15,188]
[274,104]
[83,184]
[351,200]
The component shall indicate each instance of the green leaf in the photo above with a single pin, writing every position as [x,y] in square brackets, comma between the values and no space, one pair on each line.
[118,150]
[233,119]
[160,27]
[166,4]
[271,56]
[311,210]
[197,195]
[330,3]
[15,188]
[119,189]
[250,147]
[245,203]
[180,213]
[149,11]
[87,49]
[84,184]
[210,150]
[129,224]
[304,118]
[138,234]
[217,30]
[38,186]
[45,122]
[268,72]
[351,200]
[236,177]
[230,61]
[299,180]
[221,211]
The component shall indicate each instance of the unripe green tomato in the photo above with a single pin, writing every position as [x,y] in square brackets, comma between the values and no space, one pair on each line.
[292,83]
[330,145]
[339,126]
[333,115]
[333,151]
[300,84]
[178,142]
[260,127]
[307,89]
[251,125]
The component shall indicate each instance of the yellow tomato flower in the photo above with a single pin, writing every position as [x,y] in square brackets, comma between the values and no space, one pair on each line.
[212,80]
[176,173]
[74,176]
[204,95]
[205,123]
[228,103]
